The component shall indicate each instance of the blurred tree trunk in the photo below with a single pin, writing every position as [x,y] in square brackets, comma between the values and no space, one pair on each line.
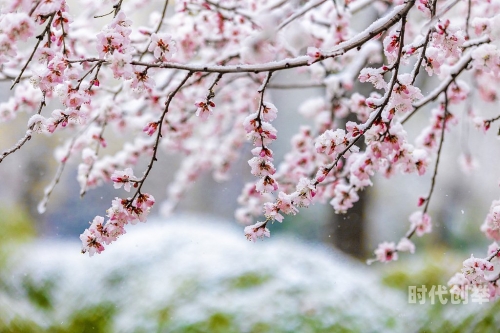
[34,168]
[348,230]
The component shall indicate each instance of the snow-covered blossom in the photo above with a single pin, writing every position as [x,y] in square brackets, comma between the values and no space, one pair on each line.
[474,269]
[434,60]
[459,285]
[91,237]
[344,198]
[266,184]
[314,54]
[331,142]
[120,65]
[405,245]
[486,57]
[374,76]
[491,225]
[204,109]
[269,112]
[421,223]
[261,167]
[121,213]
[257,230]
[306,192]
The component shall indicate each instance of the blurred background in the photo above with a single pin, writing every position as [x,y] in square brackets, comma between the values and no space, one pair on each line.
[196,272]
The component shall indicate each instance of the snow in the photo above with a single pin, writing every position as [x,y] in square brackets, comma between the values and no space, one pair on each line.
[197,267]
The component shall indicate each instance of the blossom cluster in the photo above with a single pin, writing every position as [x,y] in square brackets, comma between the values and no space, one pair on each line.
[121,213]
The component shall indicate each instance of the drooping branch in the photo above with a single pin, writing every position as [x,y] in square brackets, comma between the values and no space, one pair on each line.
[26,137]
[140,182]
[302,11]
[40,37]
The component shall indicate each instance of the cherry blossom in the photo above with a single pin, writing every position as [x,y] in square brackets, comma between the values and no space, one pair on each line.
[257,230]
[123,178]
[421,223]
[162,46]
[386,252]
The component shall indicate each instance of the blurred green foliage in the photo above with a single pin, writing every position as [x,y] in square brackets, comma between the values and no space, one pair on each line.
[433,267]
[16,225]
[248,280]
[39,293]
[95,319]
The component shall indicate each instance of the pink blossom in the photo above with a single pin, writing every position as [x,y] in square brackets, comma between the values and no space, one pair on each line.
[150,128]
[373,76]
[285,203]
[486,57]
[263,152]
[266,184]
[491,225]
[306,192]
[257,230]
[459,285]
[204,109]
[17,26]
[48,6]
[425,7]
[141,81]
[481,25]
[314,54]
[331,142]
[494,248]
[261,167]
[263,134]
[391,46]
[92,237]
[120,65]
[162,46]
[8,50]
[344,198]
[386,252]
[474,269]
[123,178]
[251,122]
[271,211]
[421,223]
[406,245]
[269,112]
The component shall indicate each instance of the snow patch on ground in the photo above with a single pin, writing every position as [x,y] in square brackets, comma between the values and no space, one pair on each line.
[196,267]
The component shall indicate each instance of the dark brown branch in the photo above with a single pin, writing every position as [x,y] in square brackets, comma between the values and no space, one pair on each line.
[170,97]
[40,37]
[26,137]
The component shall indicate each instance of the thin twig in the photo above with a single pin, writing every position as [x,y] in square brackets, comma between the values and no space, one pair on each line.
[140,182]
[40,37]
[434,176]
[26,137]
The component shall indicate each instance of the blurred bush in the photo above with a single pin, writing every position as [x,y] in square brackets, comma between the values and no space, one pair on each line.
[194,276]
[434,266]
[16,228]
